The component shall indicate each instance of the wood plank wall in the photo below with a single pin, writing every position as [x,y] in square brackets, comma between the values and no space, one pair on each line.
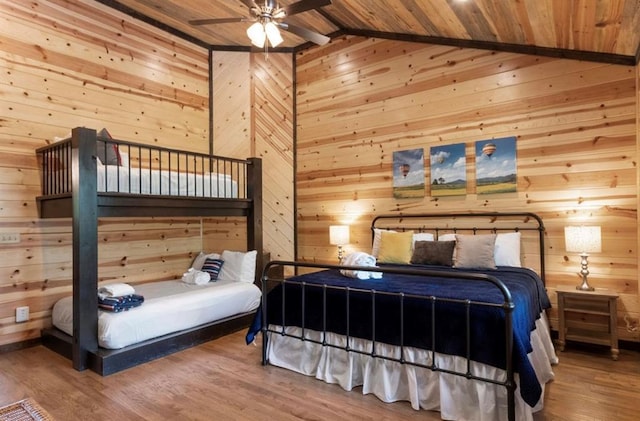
[576,124]
[272,107]
[253,116]
[67,64]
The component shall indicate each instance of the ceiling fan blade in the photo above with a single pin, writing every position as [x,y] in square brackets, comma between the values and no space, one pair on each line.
[304,5]
[251,4]
[220,20]
[305,33]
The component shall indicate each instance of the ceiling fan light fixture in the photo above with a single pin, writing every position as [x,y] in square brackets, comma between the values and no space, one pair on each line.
[273,34]
[257,35]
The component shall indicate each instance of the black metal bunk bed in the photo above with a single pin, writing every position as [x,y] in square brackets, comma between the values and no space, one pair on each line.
[72,188]
[304,307]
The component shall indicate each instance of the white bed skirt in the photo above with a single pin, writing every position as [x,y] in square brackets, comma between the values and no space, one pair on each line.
[455,397]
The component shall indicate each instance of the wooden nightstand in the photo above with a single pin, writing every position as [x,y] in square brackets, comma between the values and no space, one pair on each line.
[588,316]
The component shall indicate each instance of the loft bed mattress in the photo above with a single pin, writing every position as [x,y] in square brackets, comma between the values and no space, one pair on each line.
[120,179]
[169,306]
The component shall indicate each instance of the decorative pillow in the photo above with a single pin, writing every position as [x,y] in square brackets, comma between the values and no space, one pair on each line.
[107,152]
[213,267]
[377,235]
[422,236]
[475,251]
[433,253]
[447,237]
[198,262]
[238,266]
[395,247]
[377,232]
[507,249]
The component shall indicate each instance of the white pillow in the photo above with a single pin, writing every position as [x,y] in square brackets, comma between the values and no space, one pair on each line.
[447,237]
[238,266]
[200,259]
[507,249]
[124,159]
[422,236]
[377,236]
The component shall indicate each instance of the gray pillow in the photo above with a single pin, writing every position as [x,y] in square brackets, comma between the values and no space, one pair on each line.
[433,253]
[475,251]
[107,152]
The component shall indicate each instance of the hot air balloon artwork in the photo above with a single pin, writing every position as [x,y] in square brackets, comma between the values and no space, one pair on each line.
[488,149]
[408,173]
[496,169]
[448,170]
[404,169]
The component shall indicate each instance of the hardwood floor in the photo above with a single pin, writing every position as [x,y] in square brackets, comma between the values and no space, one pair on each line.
[223,380]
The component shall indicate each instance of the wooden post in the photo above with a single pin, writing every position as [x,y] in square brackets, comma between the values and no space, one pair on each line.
[254,217]
[85,249]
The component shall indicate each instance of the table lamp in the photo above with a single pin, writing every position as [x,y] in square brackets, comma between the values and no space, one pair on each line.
[583,240]
[339,236]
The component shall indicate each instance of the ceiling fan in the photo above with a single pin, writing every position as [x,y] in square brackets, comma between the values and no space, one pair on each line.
[268,16]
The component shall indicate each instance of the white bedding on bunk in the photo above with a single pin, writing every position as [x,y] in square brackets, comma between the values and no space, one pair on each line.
[164,182]
[455,397]
[169,306]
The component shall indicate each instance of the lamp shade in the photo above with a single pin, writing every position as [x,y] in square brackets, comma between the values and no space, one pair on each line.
[257,35]
[273,34]
[583,239]
[339,235]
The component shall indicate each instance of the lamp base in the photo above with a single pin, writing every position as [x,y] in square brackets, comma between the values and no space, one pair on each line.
[584,272]
[585,287]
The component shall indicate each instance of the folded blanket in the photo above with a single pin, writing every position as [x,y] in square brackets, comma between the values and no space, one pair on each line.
[115,290]
[122,303]
[196,277]
[359,258]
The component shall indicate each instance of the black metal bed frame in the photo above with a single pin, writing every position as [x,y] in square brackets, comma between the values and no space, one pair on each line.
[268,283]
[70,190]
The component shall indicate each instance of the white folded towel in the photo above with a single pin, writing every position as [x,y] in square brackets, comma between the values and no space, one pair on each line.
[196,277]
[359,258]
[115,290]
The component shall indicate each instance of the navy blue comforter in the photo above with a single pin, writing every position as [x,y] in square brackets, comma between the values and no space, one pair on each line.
[487,324]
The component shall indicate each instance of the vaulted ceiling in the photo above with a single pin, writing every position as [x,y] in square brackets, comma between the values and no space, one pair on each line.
[597,30]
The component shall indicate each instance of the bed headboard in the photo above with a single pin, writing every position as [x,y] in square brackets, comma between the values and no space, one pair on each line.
[528,224]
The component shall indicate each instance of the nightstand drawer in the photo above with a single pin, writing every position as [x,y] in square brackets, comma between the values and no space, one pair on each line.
[586,305]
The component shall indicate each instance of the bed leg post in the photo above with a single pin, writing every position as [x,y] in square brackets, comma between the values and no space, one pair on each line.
[85,240]
[511,403]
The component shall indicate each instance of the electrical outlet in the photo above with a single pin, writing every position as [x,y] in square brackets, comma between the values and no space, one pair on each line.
[9,237]
[22,314]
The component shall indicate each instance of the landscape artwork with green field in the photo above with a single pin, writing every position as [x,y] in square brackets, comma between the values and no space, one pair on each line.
[496,166]
[448,170]
[408,174]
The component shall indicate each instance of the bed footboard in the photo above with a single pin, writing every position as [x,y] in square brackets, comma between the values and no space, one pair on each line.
[371,314]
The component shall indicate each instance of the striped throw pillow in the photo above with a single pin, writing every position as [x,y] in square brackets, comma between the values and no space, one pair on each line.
[212,267]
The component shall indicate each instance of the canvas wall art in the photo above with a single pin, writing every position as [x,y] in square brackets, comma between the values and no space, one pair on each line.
[408,173]
[496,166]
[448,170]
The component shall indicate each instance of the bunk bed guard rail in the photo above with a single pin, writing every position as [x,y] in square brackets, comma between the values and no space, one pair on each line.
[133,168]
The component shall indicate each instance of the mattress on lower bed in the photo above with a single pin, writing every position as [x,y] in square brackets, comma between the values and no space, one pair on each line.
[169,306]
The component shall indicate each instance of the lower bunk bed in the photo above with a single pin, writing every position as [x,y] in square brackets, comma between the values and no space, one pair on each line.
[174,313]
[88,175]
[472,343]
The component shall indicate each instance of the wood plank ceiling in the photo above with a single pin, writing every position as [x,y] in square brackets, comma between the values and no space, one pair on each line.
[597,30]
